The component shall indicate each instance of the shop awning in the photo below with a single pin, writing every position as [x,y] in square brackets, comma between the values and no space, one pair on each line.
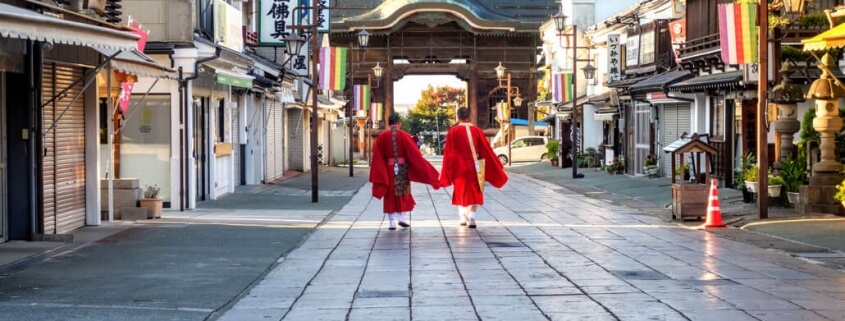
[136,63]
[606,113]
[659,82]
[833,38]
[623,83]
[16,22]
[723,80]
[568,105]
[234,79]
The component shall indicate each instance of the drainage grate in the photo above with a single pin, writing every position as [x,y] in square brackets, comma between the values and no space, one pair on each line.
[504,244]
[639,275]
[382,294]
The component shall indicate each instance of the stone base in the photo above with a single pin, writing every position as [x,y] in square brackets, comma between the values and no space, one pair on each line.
[126,194]
[134,213]
[819,199]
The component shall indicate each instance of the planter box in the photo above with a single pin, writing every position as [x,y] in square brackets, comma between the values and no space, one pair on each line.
[774,190]
[752,186]
[794,197]
[153,206]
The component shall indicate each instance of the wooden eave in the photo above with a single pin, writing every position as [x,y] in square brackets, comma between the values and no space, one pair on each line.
[387,20]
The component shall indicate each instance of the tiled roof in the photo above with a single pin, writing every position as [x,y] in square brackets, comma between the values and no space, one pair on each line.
[723,80]
[526,11]
[660,82]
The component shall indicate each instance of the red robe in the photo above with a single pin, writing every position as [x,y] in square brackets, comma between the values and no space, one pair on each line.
[381,170]
[459,168]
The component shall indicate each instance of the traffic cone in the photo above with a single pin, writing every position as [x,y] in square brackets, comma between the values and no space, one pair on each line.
[714,212]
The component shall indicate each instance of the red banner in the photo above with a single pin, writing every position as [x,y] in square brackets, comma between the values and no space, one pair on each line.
[143,34]
[125,96]
[678,34]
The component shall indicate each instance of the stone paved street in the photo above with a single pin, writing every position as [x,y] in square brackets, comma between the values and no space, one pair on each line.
[541,252]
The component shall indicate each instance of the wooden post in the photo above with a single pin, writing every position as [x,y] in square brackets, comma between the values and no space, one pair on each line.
[762,134]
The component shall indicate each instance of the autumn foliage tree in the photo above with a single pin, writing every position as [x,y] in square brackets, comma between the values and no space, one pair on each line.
[434,110]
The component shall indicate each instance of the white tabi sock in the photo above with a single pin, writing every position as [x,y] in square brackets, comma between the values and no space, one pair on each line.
[392,220]
[471,215]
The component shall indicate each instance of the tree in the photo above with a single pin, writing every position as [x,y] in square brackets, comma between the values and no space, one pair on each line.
[435,110]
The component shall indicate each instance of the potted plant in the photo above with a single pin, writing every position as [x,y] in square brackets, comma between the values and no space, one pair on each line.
[151,201]
[650,165]
[794,175]
[751,179]
[615,167]
[840,193]
[686,172]
[552,150]
[747,160]
[775,185]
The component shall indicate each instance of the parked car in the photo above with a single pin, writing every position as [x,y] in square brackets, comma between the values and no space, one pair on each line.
[524,149]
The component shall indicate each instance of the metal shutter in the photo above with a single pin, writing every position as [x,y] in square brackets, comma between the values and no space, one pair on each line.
[270,145]
[674,121]
[278,110]
[236,145]
[274,141]
[63,171]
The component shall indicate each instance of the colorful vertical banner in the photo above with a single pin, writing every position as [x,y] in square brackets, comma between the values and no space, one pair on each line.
[332,68]
[561,88]
[360,97]
[376,112]
[738,32]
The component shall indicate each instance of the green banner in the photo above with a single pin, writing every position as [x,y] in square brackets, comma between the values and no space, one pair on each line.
[234,81]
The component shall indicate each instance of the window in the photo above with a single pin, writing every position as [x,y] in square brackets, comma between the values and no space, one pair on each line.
[718,126]
[534,141]
[221,121]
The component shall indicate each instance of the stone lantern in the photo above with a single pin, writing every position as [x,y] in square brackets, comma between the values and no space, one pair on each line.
[786,96]
[826,173]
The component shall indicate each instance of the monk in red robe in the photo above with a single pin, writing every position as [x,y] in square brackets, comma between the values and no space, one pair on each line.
[396,154]
[459,167]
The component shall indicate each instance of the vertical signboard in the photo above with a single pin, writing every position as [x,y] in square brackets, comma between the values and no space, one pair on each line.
[274,19]
[678,34]
[632,50]
[614,58]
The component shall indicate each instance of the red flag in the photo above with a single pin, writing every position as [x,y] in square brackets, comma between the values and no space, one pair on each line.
[139,30]
[125,95]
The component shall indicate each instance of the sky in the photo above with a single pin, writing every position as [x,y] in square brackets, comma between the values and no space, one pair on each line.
[406,91]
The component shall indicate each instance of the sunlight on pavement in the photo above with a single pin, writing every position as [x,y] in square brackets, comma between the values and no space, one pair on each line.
[791,221]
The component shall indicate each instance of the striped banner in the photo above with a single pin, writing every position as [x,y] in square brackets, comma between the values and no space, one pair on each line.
[502,112]
[561,88]
[360,97]
[332,68]
[738,33]
[376,111]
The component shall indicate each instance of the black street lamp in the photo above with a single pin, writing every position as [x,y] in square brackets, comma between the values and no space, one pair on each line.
[589,73]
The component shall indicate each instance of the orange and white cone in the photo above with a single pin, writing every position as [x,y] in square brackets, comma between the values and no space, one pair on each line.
[714,212]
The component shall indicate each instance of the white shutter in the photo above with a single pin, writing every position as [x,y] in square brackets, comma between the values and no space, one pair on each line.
[674,121]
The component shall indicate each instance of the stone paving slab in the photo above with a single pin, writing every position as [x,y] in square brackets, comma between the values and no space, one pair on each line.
[539,253]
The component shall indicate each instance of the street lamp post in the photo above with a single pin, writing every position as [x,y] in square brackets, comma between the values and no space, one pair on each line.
[363,41]
[589,74]
[517,102]
[297,41]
